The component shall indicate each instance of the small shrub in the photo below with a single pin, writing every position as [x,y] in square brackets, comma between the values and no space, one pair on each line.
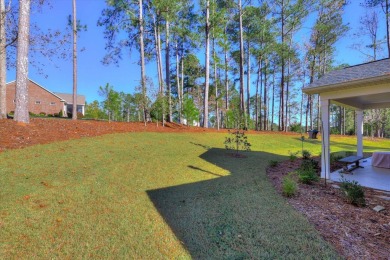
[273,163]
[61,113]
[42,114]
[80,115]
[353,192]
[306,154]
[296,128]
[293,156]
[348,153]
[289,186]
[334,158]
[308,176]
[308,171]
[237,141]
[351,131]
[309,164]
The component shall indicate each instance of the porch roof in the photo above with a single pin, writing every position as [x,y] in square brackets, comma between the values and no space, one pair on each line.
[362,86]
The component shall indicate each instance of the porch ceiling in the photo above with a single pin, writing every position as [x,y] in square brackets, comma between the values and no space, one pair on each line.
[372,101]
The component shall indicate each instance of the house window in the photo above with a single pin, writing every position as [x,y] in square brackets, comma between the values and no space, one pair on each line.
[37,102]
[52,103]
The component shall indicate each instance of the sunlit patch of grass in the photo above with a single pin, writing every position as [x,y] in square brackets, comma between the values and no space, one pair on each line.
[90,198]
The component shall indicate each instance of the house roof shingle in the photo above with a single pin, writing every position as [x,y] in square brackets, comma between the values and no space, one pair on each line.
[365,71]
[69,98]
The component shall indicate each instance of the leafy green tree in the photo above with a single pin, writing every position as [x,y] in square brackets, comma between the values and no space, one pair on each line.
[158,108]
[111,102]
[128,106]
[93,110]
[190,111]
[125,16]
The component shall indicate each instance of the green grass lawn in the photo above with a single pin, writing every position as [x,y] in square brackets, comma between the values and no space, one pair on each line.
[153,195]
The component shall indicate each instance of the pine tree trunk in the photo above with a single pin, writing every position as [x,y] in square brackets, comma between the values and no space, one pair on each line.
[21,95]
[257,98]
[141,40]
[265,97]
[74,110]
[273,100]
[160,60]
[287,115]
[3,66]
[157,46]
[207,76]
[248,79]
[242,99]
[167,70]
[226,78]
[281,102]
[388,27]
[182,82]
[216,83]
[178,80]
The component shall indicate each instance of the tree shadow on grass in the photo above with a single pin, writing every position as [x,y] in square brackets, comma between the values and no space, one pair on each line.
[237,216]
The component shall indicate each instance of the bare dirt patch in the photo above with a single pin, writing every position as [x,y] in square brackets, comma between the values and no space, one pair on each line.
[355,232]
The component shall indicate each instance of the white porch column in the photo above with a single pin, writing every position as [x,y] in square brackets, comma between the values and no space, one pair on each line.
[359,132]
[325,152]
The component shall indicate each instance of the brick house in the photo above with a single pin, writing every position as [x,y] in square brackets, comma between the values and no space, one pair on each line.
[69,102]
[40,99]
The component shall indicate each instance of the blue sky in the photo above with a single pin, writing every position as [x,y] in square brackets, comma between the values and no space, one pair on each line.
[125,77]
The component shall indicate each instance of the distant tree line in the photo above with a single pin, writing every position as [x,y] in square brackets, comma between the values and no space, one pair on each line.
[249,47]
[255,58]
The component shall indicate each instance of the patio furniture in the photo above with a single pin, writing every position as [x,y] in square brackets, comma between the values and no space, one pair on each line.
[381,159]
[351,159]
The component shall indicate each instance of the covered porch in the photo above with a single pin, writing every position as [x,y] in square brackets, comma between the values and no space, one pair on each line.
[360,87]
[369,176]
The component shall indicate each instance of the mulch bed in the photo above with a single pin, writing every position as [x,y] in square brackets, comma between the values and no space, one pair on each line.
[355,232]
[48,130]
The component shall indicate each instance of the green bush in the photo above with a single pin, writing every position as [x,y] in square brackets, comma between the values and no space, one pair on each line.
[297,128]
[308,176]
[348,153]
[293,156]
[308,171]
[289,186]
[273,163]
[334,158]
[80,115]
[309,164]
[306,154]
[353,192]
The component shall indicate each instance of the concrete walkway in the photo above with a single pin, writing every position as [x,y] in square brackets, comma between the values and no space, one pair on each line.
[369,176]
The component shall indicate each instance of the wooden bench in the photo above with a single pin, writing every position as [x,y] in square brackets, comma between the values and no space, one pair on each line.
[351,159]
